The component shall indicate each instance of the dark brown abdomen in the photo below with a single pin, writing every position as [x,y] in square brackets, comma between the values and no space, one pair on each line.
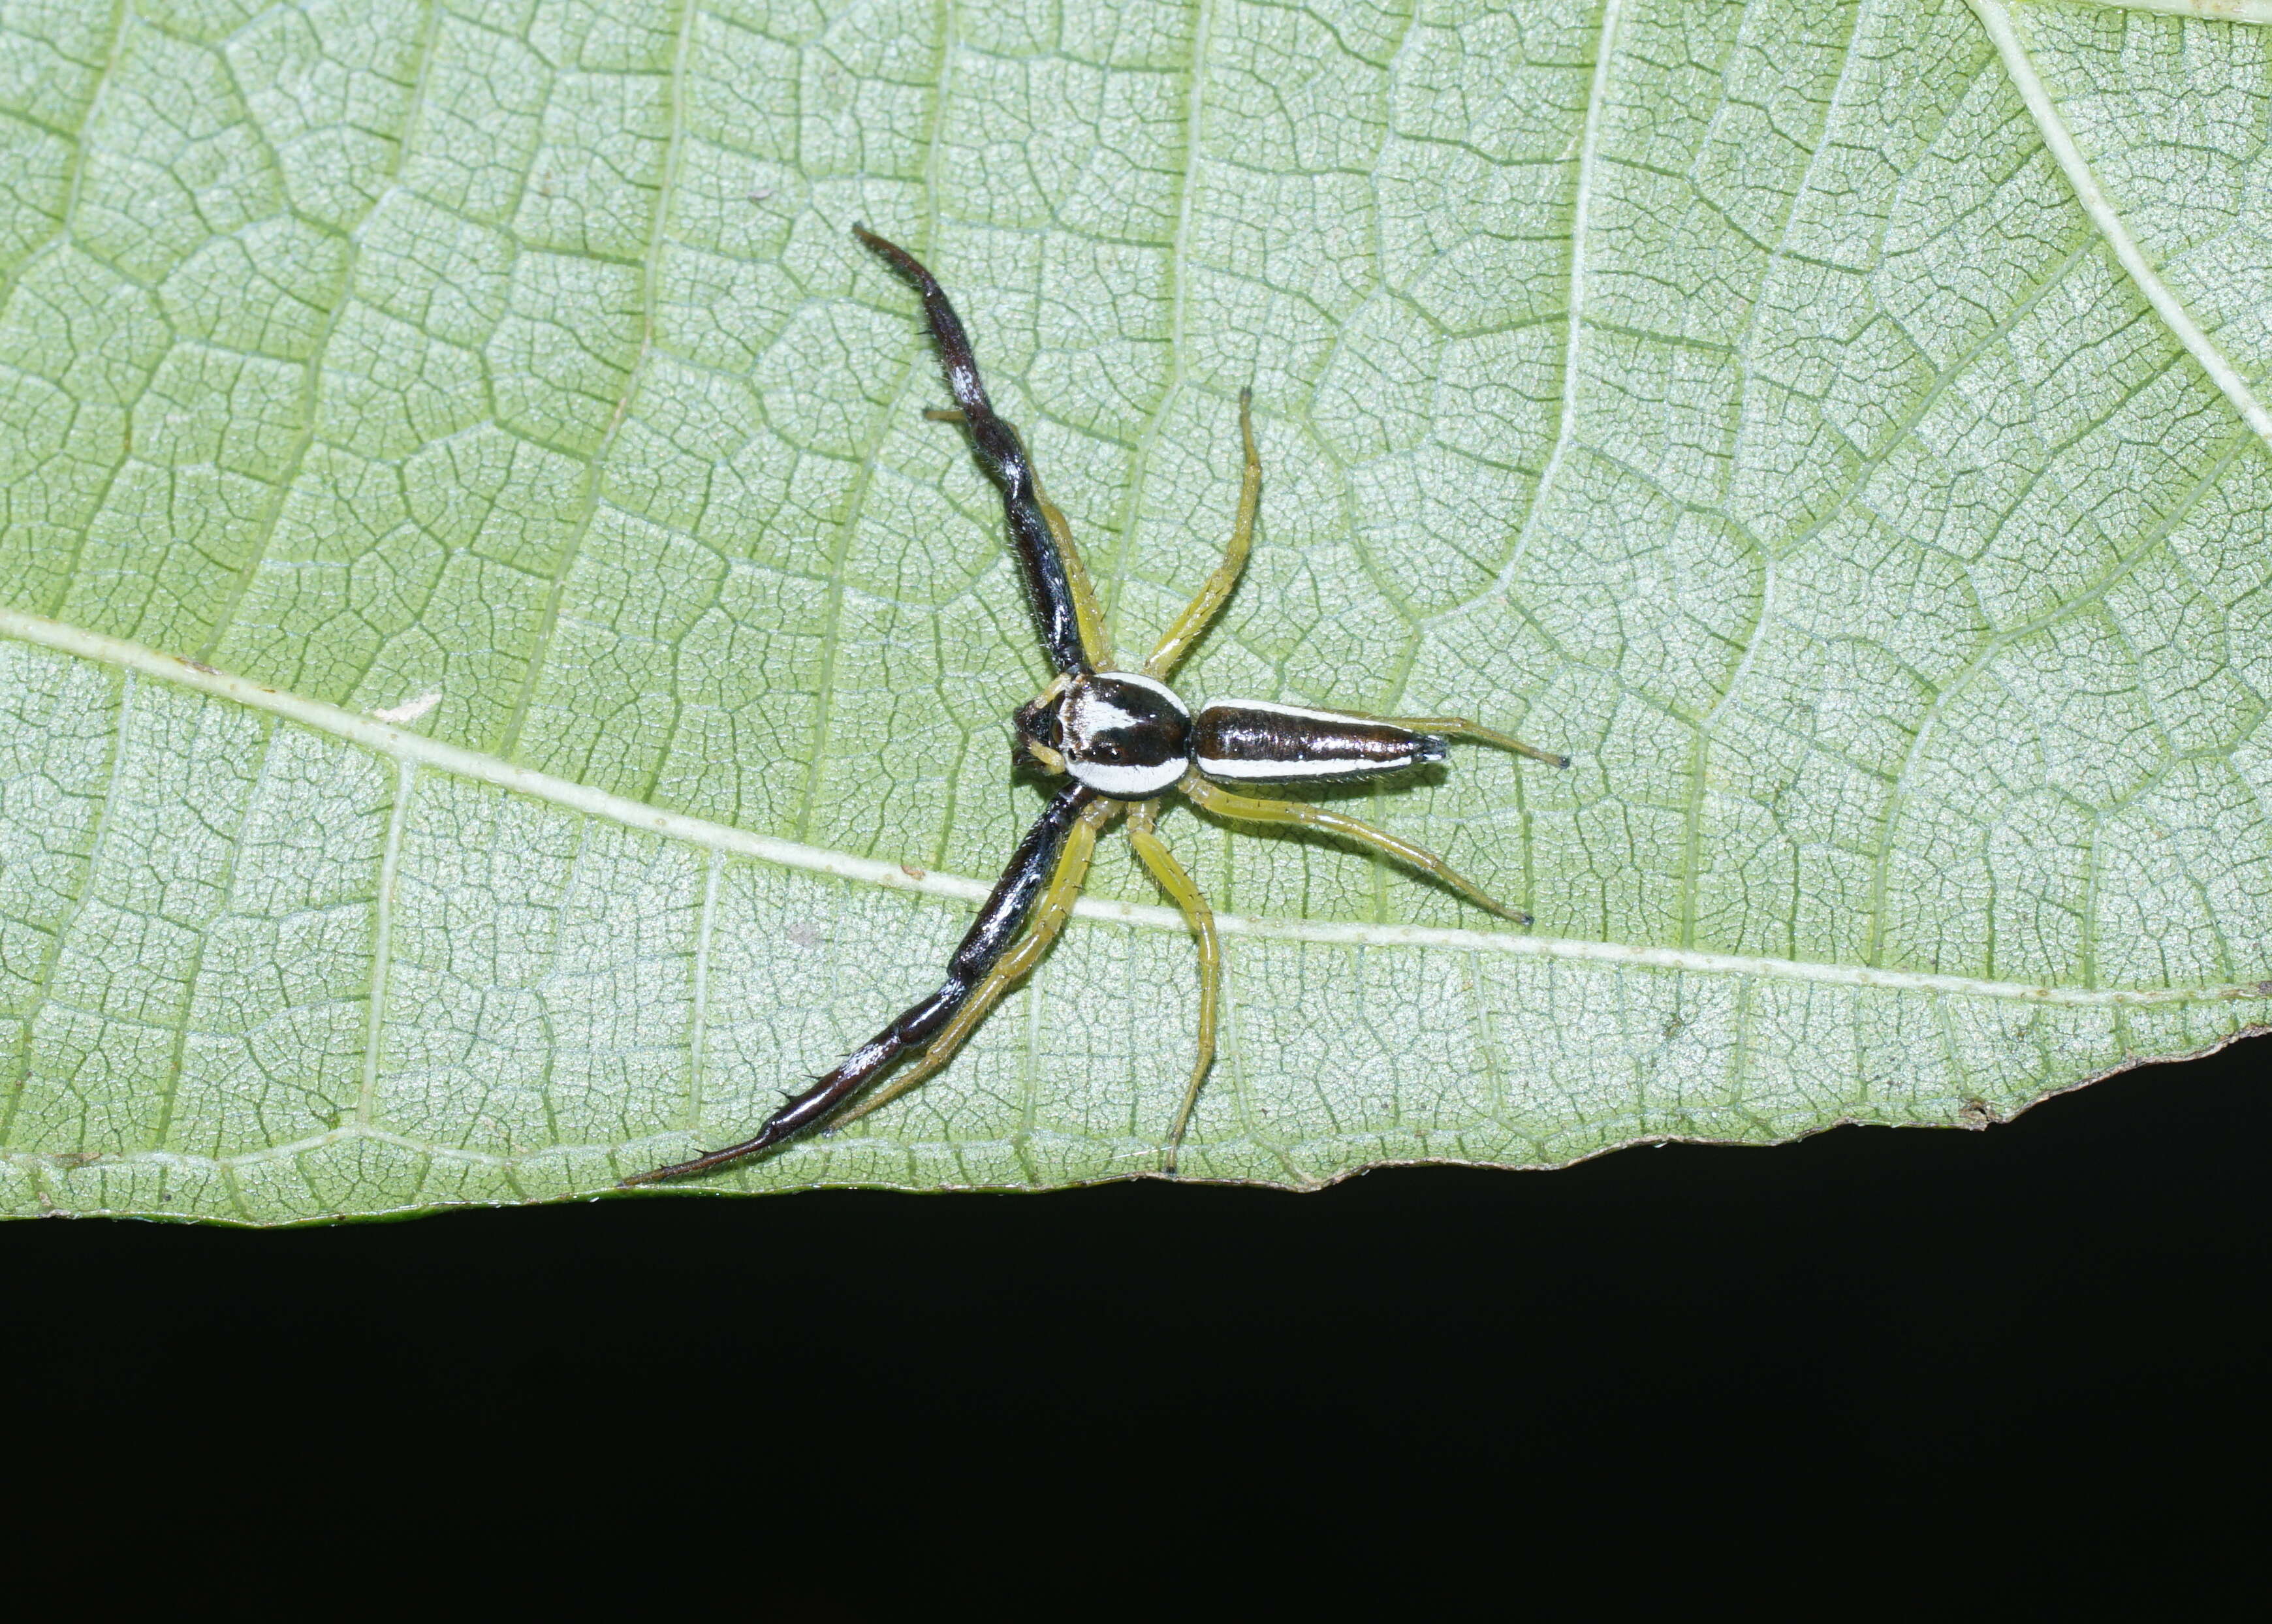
[1251,742]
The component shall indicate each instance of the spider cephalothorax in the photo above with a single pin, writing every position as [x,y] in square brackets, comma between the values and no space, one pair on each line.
[1121,733]
[1124,739]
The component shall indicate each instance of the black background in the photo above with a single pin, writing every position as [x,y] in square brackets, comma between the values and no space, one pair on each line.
[1934,1365]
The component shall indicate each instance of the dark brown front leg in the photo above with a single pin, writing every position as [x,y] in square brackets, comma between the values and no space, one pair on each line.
[999,923]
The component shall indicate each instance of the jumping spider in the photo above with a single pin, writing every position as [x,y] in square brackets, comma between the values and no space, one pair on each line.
[1124,738]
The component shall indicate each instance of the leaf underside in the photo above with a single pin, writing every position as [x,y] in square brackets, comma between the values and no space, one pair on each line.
[1741,398]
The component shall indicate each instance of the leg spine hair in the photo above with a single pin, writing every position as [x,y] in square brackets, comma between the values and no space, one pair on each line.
[998,924]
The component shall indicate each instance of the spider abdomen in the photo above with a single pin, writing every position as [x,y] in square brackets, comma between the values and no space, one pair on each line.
[1252,742]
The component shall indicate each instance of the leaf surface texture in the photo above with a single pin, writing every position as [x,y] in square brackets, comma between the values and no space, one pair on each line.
[1744,399]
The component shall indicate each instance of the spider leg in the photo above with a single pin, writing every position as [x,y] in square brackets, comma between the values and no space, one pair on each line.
[1457,727]
[1061,839]
[1040,551]
[1172,878]
[1252,809]
[1048,920]
[1092,640]
[1192,622]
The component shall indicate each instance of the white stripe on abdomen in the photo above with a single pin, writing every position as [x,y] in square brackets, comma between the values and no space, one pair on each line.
[1265,772]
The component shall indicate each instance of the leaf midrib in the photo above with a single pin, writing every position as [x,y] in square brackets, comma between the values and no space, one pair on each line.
[416,750]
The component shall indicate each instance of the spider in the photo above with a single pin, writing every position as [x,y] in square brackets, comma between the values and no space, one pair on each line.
[1124,739]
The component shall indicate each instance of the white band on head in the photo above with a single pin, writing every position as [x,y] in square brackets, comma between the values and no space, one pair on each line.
[1128,783]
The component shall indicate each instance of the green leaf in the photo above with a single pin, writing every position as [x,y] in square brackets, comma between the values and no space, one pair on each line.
[497,677]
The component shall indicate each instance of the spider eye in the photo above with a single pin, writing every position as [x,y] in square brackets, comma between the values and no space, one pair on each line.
[1041,732]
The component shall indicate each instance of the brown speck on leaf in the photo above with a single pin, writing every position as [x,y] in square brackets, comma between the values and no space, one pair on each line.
[914,873]
[197,665]
[1975,1114]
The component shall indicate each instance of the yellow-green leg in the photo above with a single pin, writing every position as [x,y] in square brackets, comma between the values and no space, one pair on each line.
[1085,612]
[1459,728]
[1193,623]
[1050,916]
[1212,797]
[1172,878]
